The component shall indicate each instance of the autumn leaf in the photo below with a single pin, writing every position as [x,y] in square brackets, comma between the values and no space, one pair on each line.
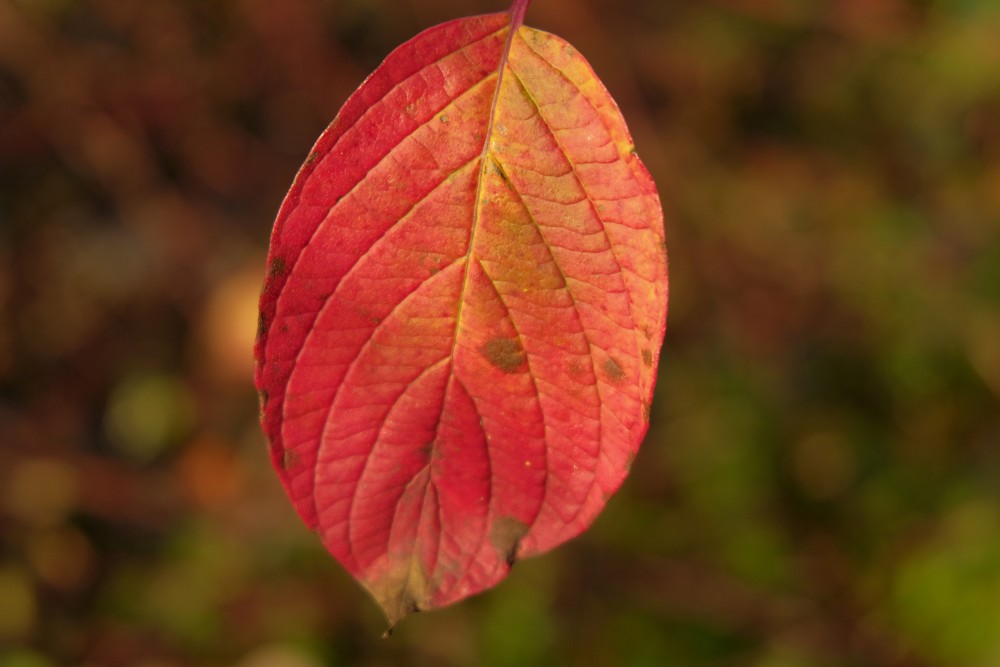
[463,310]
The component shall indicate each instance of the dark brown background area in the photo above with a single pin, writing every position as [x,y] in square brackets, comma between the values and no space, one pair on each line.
[819,485]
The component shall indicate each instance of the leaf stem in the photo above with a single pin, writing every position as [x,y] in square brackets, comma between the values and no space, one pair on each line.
[517,11]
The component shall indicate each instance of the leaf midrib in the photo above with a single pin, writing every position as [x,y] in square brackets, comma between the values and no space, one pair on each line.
[512,30]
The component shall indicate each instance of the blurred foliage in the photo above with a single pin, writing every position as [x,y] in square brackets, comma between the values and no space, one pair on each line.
[820,483]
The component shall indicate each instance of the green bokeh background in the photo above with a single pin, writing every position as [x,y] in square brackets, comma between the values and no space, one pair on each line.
[820,483]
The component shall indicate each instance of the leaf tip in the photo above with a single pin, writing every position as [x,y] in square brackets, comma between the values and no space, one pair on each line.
[394,620]
[401,591]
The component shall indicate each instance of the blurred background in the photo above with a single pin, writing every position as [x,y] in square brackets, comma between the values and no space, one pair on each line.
[819,485]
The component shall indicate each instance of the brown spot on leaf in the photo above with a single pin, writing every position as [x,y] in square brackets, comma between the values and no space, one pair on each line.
[504,353]
[613,370]
[647,358]
[277,268]
[646,410]
[312,157]
[364,313]
[506,535]
[427,449]
[261,325]
[497,170]
[289,459]
[262,398]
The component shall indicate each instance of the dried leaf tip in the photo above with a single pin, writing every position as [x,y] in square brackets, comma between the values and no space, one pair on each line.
[517,12]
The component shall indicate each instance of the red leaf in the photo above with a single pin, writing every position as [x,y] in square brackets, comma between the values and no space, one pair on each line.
[465,301]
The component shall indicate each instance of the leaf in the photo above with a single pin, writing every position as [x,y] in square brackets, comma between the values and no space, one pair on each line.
[464,305]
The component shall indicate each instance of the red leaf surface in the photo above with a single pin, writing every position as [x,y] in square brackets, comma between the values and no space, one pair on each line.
[464,306]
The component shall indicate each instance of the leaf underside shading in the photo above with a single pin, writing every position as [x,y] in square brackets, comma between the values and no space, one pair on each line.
[464,304]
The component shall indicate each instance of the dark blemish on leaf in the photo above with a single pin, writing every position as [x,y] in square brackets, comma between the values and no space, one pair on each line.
[506,535]
[262,398]
[427,449]
[277,268]
[613,370]
[498,171]
[289,459]
[261,325]
[363,312]
[646,410]
[312,157]
[443,118]
[647,358]
[504,353]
